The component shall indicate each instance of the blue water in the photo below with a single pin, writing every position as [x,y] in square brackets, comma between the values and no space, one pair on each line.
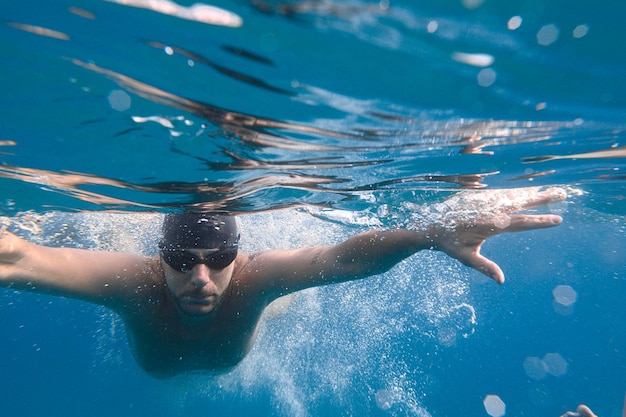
[315,120]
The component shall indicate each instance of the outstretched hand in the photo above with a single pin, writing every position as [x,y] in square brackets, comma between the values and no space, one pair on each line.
[581,411]
[464,240]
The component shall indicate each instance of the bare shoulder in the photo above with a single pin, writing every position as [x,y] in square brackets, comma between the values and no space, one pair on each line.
[252,271]
[274,273]
[273,261]
[127,283]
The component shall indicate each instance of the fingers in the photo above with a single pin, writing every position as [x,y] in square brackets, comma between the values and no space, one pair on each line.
[584,411]
[484,265]
[489,268]
[542,198]
[516,223]
[524,222]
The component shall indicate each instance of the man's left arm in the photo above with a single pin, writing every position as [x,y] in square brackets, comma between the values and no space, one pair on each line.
[369,253]
[375,252]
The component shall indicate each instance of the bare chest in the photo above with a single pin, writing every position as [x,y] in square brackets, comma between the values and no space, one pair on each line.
[163,344]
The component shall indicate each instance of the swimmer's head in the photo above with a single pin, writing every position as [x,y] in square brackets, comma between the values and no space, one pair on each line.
[193,230]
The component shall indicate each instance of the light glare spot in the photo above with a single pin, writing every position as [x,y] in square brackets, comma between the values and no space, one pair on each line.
[486,77]
[555,364]
[561,309]
[384,399]
[119,100]
[580,31]
[41,31]
[547,35]
[564,295]
[514,23]
[211,15]
[198,12]
[477,60]
[494,406]
[81,12]
[472,4]
[157,119]
[502,220]
[535,368]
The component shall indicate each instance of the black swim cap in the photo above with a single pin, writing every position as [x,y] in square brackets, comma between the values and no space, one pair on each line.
[199,230]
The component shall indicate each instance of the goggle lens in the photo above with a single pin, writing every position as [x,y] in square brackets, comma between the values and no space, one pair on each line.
[183,261]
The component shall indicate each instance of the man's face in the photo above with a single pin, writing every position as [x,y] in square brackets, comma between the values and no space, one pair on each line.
[200,289]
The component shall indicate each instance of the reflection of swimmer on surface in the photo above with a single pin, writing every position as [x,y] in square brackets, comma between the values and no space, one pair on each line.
[196,305]
[581,411]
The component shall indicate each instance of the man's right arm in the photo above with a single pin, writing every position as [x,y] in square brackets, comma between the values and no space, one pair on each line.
[108,278]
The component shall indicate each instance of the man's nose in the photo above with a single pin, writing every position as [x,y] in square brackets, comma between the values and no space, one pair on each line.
[200,275]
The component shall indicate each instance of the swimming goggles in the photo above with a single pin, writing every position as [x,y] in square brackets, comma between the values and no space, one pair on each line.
[183,261]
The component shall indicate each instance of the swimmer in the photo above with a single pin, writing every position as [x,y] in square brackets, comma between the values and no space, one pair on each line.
[196,305]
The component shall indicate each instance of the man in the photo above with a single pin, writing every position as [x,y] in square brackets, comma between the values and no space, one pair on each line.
[196,305]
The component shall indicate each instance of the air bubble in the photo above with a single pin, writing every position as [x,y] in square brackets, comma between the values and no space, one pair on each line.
[446,336]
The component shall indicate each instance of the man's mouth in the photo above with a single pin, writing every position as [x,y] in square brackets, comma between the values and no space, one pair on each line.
[197,299]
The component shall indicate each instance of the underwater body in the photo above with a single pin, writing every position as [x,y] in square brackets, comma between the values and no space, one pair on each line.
[312,121]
